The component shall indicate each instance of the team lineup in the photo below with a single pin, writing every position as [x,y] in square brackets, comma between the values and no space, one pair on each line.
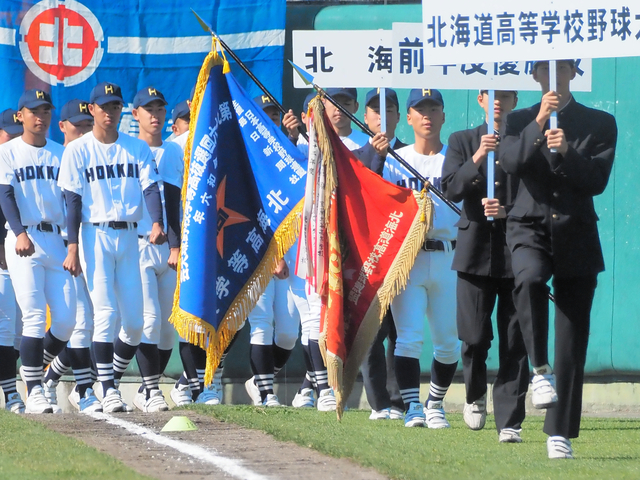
[93,237]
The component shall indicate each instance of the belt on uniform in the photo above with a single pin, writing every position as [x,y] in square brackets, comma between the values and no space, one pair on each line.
[117,225]
[144,237]
[437,245]
[46,227]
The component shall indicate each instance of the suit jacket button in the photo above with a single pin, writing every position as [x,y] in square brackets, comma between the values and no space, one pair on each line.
[497,162]
[556,194]
[555,216]
[497,184]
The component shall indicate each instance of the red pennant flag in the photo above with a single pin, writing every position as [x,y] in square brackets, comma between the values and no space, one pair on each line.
[370,238]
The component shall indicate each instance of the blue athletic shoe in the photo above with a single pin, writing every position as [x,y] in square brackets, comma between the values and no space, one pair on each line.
[415,416]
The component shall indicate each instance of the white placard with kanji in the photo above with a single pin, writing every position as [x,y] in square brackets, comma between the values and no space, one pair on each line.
[467,31]
[411,69]
[395,58]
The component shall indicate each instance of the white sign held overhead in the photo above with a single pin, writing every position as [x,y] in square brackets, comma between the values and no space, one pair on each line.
[343,58]
[411,68]
[470,31]
[396,58]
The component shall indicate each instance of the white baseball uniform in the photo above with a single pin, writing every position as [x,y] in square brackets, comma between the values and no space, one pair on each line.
[39,280]
[181,139]
[158,280]
[111,179]
[432,284]
[7,310]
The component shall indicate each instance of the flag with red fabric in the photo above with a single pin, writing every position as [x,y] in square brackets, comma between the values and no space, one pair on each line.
[359,239]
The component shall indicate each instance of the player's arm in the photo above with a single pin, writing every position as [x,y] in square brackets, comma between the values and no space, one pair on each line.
[154,206]
[24,246]
[292,124]
[74,217]
[3,235]
[172,208]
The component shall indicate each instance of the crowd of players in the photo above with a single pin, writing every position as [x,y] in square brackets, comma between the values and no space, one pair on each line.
[93,237]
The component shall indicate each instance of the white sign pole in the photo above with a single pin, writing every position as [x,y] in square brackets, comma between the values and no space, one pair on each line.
[553,85]
[491,156]
[383,110]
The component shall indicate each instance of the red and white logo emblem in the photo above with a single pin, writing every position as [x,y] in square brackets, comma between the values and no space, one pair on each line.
[60,41]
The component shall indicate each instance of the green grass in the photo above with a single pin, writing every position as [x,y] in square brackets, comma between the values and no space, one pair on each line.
[607,448]
[30,451]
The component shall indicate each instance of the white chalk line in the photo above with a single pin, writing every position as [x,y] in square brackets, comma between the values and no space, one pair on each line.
[228,465]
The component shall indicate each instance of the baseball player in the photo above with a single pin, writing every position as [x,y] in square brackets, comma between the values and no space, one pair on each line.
[274,320]
[33,205]
[483,263]
[181,117]
[552,232]
[105,176]
[348,98]
[10,128]
[75,122]
[378,371]
[157,262]
[432,282]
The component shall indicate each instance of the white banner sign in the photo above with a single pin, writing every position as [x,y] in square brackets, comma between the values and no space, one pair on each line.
[395,58]
[466,31]
[410,69]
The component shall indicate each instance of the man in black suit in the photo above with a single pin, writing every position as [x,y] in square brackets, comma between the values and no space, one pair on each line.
[483,263]
[552,232]
[378,368]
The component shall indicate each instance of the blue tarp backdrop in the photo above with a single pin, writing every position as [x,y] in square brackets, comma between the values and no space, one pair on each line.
[67,47]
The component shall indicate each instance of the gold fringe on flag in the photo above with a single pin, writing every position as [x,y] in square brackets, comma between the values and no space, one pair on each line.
[342,377]
[193,329]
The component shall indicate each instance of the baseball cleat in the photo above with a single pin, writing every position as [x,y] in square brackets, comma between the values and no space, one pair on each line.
[396,414]
[415,416]
[475,414]
[271,401]
[90,403]
[434,413]
[155,403]
[14,403]
[326,400]
[210,396]
[253,391]
[379,414]
[49,388]
[543,384]
[37,402]
[112,401]
[559,447]
[304,399]
[181,395]
[510,435]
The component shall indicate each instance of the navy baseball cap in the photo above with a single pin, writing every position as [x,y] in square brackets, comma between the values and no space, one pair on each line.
[34,98]
[180,110]
[418,95]
[146,96]
[263,101]
[9,122]
[106,92]
[307,99]
[352,93]
[390,95]
[75,111]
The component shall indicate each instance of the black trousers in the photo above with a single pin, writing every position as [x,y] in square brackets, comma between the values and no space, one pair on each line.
[533,267]
[378,369]
[476,298]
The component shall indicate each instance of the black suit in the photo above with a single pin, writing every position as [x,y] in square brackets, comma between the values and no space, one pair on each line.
[483,263]
[552,231]
[378,367]
[370,158]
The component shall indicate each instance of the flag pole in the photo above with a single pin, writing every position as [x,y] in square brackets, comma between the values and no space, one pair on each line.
[491,164]
[207,28]
[308,79]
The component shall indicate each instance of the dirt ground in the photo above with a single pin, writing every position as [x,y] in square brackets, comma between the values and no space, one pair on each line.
[255,450]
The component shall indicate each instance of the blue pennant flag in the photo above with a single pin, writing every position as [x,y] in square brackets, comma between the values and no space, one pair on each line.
[242,198]
[67,47]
